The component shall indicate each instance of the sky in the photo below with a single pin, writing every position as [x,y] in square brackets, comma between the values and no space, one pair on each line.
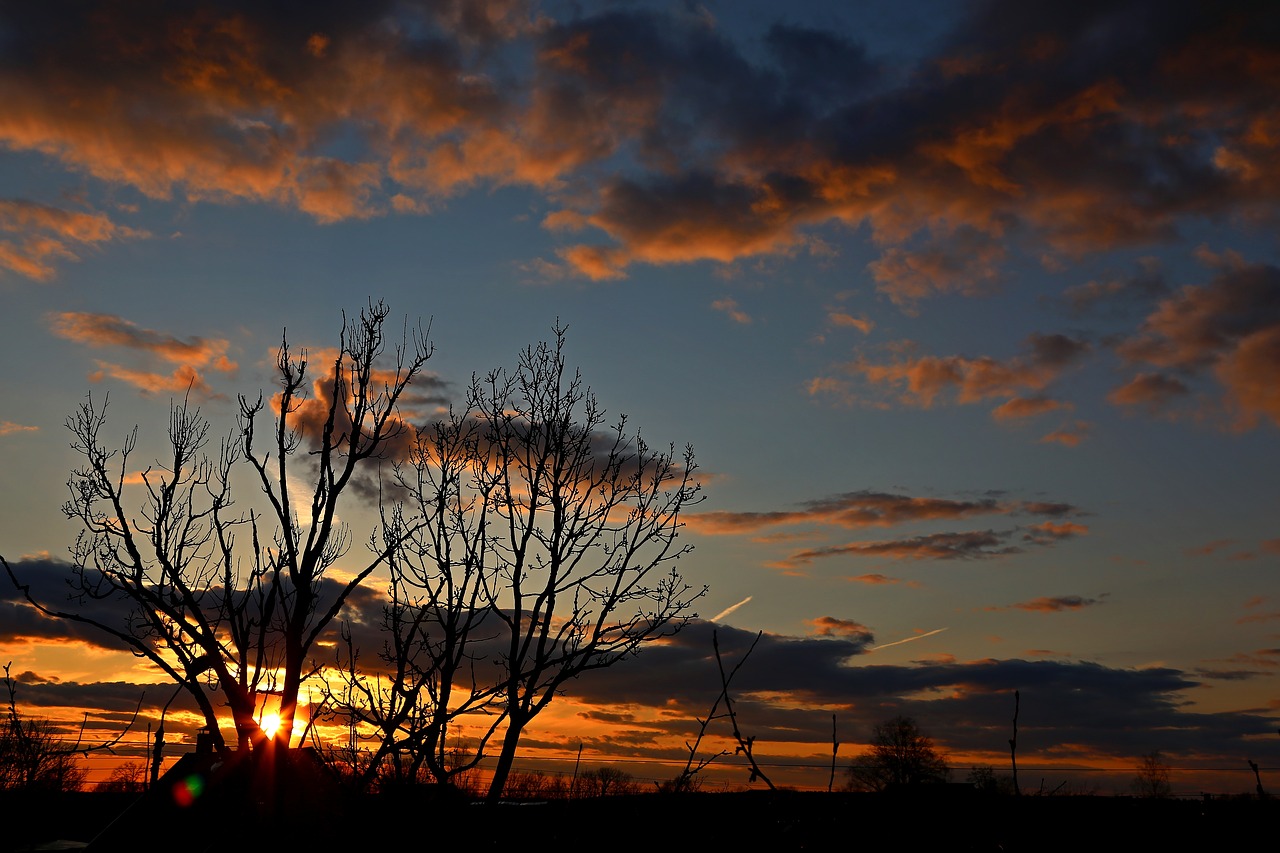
[970,312]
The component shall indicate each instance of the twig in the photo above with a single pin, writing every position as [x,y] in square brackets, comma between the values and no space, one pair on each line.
[745,744]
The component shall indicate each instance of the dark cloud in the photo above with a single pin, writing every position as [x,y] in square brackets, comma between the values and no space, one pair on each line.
[1080,127]
[1079,709]
[1117,295]
[1054,604]
[977,544]
[49,584]
[867,508]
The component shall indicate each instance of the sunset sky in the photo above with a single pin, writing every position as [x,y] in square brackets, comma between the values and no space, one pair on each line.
[970,312]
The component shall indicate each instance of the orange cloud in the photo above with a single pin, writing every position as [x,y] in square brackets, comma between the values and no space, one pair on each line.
[829,626]
[921,381]
[695,149]
[1229,327]
[1069,436]
[845,320]
[9,427]
[1209,548]
[875,579]
[46,234]
[1018,408]
[185,378]
[1053,531]
[730,307]
[108,330]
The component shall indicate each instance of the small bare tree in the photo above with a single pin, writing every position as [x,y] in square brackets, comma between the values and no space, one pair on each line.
[35,755]
[1152,778]
[226,603]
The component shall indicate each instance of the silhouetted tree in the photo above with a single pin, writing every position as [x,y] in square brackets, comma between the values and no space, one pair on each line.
[127,778]
[1152,778]
[442,589]
[605,782]
[34,754]
[576,526]
[229,604]
[900,754]
[988,781]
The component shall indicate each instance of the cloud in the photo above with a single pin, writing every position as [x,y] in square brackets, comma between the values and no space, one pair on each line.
[191,355]
[968,263]
[977,544]
[732,608]
[1019,408]
[47,234]
[1000,138]
[1069,436]
[919,636]
[730,307]
[1228,328]
[1053,531]
[829,626]
[655,129]
[9,428]
[1209,548]
[842,319]
[876,579]
[1117,295]
[1153,391]
[108,330]
[790,686]
[924,380]
[856,510]
[1054,604]
[183,379]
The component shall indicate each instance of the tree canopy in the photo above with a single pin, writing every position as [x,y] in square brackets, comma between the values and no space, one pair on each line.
[900,754]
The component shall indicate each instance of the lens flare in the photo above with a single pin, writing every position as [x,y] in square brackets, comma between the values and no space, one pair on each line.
[188,790]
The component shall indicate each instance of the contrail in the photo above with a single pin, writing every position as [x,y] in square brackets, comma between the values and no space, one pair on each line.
[730,609]
[898,642]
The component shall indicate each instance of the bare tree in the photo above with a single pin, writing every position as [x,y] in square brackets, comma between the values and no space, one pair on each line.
[127,778]
[228,604]
[605,782]
[900,754]
[1152,778]
[572,528]
[440,596]
[34,754]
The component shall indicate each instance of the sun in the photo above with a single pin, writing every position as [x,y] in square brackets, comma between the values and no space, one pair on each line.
[270,725]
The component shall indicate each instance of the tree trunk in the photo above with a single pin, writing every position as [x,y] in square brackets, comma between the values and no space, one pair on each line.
[506,757]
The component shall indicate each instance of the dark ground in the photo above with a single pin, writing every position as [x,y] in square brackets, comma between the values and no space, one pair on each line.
[952,820]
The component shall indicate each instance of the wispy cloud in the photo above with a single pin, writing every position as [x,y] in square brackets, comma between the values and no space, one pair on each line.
[906,640]
[728,610]
[44,234]
[1054,604]
[926,380]
[855,510]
